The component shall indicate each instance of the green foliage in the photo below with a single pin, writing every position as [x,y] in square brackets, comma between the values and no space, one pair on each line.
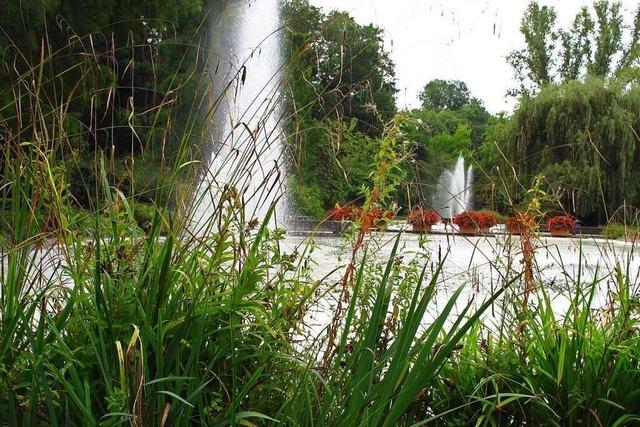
[438,138]
[583,138]
[203,330]
[103,76]
[451,145]
[341,86]
[536,60]
[545,369]
[156,325]
[614,231]
[337,169]
[338,69]
[594,45]
[445,94]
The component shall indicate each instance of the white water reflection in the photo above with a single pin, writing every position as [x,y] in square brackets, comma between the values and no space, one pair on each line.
[479,265]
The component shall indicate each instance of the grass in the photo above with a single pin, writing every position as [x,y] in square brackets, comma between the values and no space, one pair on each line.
[618,231]
[172,330]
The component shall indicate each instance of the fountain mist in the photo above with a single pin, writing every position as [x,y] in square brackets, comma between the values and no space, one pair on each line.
[247,137]
[454,193]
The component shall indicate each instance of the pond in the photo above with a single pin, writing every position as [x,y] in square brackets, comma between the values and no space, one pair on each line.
[478,264]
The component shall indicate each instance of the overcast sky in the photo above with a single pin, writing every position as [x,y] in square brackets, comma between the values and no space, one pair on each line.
[466,40]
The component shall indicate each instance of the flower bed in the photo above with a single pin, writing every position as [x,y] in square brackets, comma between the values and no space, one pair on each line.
[486,220]
[423,219]
[343,213]
[467,222]
[561,225]
[519,223]
[471,222]
[373,219]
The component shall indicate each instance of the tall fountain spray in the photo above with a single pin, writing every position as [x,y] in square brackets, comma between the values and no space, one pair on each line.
[454,193]
[247,157]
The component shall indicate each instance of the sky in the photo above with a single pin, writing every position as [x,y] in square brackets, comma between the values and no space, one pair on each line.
[464,40]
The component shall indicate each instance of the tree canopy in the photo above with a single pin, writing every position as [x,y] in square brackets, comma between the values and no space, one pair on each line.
[599,43]
[581,138]
[341,86]
[445,94]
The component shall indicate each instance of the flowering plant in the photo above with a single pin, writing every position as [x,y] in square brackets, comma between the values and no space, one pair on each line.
[423,217]
[520,222]
[343,213]
[486,220]
[469,219]
[378,214]
[561,222]
[374,218]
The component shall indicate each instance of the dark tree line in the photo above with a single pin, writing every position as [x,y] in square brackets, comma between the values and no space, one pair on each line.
[85,75]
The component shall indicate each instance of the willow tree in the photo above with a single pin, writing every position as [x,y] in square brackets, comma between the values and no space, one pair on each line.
[583,137]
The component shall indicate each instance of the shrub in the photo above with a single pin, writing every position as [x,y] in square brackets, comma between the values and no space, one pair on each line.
[614,231]
[617,231]
[482,219]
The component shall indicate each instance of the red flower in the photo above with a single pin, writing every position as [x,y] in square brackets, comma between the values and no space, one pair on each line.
[423,217]
[343,213]
[354,213]
[378,214]
[520,222]
[486,220]
[469,219]
[561,222]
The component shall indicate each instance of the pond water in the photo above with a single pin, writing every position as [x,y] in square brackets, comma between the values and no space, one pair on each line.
[478,264]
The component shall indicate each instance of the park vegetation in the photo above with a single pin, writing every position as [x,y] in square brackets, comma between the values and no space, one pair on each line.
[113,312]
[576,123]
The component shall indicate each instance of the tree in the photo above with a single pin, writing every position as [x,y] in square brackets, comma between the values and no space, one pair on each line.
[583,136]
[355,74]
[576,45]
[593,45]
[341,87]
[608,38]
[535,62]
[477,118]
[445,94]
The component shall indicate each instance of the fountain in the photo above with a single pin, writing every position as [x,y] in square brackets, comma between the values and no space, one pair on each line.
[247,137]
[454,192]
